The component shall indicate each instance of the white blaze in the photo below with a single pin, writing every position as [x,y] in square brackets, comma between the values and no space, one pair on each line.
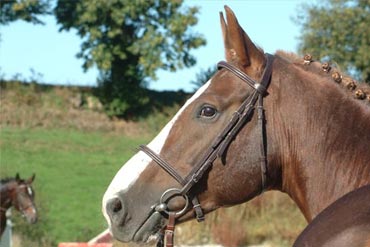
[132,169]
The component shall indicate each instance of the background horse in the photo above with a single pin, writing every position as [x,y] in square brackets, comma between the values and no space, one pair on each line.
[344,223]
[18,193]
[310,139]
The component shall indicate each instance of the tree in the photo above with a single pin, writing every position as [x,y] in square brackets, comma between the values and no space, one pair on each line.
[203,76]
[128,41]
[27,10]
[338,30]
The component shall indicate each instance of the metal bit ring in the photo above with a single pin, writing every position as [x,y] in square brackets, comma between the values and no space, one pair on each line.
[175,192]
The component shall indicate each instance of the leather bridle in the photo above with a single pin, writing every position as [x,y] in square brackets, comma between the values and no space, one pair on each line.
[217,148]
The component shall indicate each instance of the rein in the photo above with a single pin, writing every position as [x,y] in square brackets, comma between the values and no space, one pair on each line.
[216,150]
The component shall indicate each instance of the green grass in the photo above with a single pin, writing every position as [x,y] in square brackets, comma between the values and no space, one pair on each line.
[73,169]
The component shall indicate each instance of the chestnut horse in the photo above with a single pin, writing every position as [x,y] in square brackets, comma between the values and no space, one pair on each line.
[18,193]
[307,137]
[344,223]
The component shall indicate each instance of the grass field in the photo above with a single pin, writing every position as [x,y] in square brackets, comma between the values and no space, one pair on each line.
[73,169]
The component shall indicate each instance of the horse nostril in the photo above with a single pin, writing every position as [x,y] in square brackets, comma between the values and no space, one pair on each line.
[116,205]
[116,210]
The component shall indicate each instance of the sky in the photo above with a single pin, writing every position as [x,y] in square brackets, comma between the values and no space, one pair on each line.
[52,54]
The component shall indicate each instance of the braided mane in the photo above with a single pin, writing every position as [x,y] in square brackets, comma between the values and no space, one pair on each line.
[356,90]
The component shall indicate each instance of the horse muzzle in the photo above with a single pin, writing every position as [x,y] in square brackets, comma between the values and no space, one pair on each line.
[133,225]
[30,214]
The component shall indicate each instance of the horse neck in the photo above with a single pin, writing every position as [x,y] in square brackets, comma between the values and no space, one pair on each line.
[5,198]
[4,206]
[2,222]
[321,139]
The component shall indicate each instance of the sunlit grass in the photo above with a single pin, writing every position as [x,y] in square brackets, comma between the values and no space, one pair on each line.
[73,169]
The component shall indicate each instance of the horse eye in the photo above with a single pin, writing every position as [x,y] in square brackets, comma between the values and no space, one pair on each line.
[208,112]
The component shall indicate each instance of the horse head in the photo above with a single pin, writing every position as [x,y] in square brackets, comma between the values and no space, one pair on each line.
[23,198]
[204,163]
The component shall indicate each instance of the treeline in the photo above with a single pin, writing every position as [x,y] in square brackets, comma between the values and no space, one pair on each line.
[87,97]
[128,41]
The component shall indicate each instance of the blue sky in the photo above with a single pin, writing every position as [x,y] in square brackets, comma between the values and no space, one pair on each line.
[24,46]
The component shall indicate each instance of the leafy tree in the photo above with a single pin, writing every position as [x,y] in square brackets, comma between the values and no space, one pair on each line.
[128,41]
[203,76]
[27,10]
[338,30]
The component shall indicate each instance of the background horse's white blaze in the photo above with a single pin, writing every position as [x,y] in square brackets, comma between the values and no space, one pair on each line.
[30,191]
[132,169]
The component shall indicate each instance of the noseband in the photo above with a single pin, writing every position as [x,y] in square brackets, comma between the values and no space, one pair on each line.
[217,148]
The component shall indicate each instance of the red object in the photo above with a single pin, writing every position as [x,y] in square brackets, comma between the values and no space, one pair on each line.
[104,239]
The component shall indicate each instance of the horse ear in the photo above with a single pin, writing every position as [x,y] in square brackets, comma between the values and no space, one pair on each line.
[17,177]
[238,45]
[31,179]
[228,48]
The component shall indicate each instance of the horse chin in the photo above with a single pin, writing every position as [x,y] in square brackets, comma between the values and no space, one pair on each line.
[30,216]
[146,233]
[31,220]
[149,232]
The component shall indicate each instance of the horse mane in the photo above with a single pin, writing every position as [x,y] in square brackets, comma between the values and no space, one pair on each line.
[359,92]
[9,179]
[6,180]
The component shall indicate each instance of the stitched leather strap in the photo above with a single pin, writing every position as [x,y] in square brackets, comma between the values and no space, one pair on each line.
[162,163]
[170,230]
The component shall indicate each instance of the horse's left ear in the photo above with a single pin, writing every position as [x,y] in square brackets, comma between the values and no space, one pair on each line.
[239,47]
[30,180]
[17,177]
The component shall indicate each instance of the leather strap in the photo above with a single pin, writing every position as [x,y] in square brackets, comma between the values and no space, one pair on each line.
[238,120]
[169,169]
[170,230]
[263,146]
[162,163]
[199,215]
